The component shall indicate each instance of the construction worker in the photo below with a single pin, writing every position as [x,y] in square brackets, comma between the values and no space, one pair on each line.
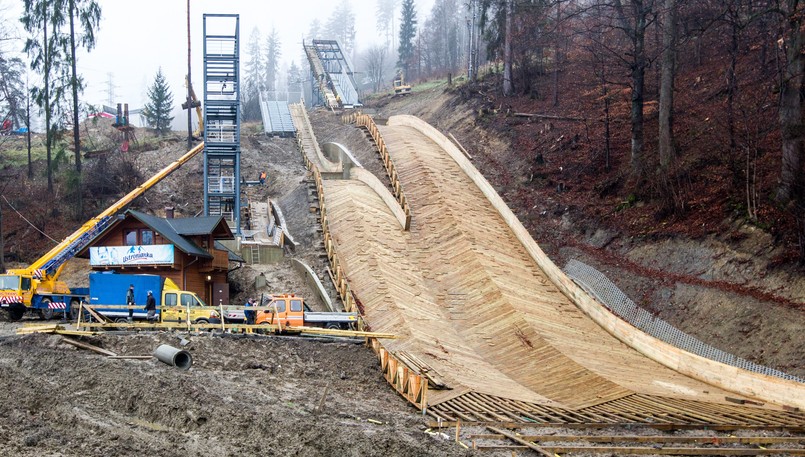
[263,176]
[249,314]
[151,307]
[130,302]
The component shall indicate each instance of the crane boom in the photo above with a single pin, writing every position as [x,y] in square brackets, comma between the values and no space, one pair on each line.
[65,250]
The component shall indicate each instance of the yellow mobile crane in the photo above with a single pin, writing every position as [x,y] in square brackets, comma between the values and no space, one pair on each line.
[37,287]
[194,103]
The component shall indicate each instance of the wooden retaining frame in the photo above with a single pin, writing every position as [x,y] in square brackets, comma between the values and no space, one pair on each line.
[365,121]
[409,383]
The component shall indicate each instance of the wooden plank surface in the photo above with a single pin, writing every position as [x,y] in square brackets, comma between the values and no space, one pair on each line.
[465,298]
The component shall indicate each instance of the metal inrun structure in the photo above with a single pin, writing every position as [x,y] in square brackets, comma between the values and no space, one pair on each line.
[222,117]
[332,74]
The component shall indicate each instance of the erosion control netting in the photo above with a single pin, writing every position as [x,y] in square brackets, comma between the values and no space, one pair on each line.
[600,287]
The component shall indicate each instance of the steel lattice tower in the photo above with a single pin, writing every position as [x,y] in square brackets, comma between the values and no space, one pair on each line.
[222,117]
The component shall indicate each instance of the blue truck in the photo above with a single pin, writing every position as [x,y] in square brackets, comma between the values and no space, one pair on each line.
[173,304]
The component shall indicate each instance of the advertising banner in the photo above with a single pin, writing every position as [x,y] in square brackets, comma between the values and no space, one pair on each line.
[154,254]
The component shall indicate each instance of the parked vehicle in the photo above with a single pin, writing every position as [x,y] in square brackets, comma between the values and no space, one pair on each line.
[238,316]
[289,310]
[173,304]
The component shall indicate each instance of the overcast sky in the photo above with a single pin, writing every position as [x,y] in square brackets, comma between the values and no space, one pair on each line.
[136,38]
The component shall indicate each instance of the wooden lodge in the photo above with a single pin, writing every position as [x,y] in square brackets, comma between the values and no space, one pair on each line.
[185,250]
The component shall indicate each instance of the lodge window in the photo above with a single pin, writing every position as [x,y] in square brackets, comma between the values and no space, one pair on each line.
[136,237]
[130,237]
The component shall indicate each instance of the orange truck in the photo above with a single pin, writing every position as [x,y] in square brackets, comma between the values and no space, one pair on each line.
[289,310]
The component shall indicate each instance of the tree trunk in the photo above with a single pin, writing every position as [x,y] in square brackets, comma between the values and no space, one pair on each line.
[28,126]
[48,132]
[635,29]
[76,134]
[792,128]
[2,246]
[74,84]
[638,84]
[507,52]
[189,97]
[556,55]
[667,74]
[732,87]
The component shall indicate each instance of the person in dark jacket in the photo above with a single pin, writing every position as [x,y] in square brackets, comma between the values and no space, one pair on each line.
[130,302]
[151,307]
[249,314]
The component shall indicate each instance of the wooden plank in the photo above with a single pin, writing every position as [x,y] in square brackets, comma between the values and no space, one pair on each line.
[39,329]
[603,450]
[716,440]
[627,425]
[75,333]
[88,346]
[616,450]
[523,442]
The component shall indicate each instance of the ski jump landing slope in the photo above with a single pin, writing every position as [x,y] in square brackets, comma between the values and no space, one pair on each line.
[477,305]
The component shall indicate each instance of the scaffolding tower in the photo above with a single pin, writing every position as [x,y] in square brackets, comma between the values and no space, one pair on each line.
[222,118]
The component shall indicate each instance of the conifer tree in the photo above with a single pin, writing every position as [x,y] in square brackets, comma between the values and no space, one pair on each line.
[407,34]
[160,104]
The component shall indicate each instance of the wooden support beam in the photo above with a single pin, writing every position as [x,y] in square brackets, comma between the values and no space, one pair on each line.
[632,425]
[523,442]
[604,450]
[716,440]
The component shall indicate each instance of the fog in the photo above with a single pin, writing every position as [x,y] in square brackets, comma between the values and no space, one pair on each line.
[136,39]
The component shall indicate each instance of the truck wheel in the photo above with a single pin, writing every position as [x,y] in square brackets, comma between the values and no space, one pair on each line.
[333,326]
[46,313]
[74,305]
[15,313]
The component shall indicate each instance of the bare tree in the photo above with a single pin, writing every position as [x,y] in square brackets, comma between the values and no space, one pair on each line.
[375,61]
[668,73]
[634,18]
[507,52]
[792,126]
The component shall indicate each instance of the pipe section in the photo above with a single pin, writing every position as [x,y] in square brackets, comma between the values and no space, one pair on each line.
[174,357]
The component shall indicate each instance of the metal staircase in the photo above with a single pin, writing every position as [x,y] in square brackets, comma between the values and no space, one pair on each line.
[222,118]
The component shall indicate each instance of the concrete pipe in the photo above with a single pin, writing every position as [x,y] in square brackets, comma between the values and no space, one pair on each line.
[174,357]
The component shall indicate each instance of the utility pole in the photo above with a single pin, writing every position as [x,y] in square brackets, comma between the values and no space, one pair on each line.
[110,89]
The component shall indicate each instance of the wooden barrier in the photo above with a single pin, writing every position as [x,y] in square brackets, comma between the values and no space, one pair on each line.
[365,121]
[406,381]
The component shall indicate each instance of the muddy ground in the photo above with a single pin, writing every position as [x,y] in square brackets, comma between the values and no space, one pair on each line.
[243,396]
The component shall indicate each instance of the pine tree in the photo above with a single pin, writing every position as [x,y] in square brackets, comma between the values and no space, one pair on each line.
[273,51]
[160,104]
[407,34]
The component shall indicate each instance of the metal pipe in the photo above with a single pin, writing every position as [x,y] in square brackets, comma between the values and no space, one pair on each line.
[174,357]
